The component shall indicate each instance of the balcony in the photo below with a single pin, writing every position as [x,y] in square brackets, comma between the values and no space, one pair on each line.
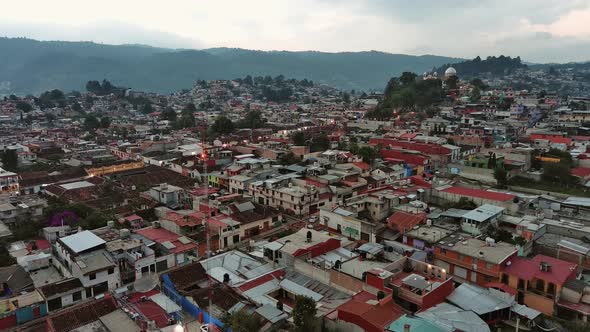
[410,296]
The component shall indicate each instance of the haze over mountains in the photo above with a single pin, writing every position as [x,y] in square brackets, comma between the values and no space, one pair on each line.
[30,66]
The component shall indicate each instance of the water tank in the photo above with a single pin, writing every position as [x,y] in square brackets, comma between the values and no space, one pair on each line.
[124,233]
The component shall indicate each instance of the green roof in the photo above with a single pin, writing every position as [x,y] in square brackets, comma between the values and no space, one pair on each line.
[417,324]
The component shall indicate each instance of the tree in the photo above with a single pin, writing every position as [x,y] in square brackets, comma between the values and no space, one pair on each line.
[5,258]
[298,138]
[501,176]
[346,98]
[557,173]
[320,143]
[168,114]
[10,160]
[368,154]
[475,95]
[408,78]
[288,159]
[253,120]
[304,314]
[24,106]
[91,122]
[190,107]
[240,321]
[222,125]
[105,122]
[146,108]
[186,119]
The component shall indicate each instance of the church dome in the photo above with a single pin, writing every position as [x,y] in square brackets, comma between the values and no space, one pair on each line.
[450,72]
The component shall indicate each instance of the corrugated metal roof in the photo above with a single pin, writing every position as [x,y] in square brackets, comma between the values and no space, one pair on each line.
[296,289]
[82,241]
[488,300]
[451,318]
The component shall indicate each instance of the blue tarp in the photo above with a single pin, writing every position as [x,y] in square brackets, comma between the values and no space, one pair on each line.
[185,304]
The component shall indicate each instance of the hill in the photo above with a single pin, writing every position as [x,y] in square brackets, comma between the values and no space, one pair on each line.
[30,66]
[492,65]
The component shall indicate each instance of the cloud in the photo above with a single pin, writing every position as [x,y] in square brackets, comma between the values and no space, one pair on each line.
[461,28]
[107,32]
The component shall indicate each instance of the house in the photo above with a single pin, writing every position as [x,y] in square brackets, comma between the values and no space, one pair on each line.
[478,196]
[183,249]
[368,312]
[171,196]
[473,260]
[63,293]
[8,182]
[402,221]
[83,255]
[476,221]
[489,304]
[539,281]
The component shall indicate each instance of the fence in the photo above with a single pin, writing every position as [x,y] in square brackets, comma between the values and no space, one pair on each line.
[185,304]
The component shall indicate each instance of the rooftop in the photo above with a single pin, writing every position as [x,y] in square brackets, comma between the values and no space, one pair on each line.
[479,193]
[82,241]
[479,249]
[529,269]
[488,299]
[451,318]
[483,213]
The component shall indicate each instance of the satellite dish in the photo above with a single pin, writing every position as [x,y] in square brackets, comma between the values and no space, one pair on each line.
[217,142]
[146,283]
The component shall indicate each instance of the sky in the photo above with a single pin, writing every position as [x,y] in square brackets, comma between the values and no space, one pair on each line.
[536,30]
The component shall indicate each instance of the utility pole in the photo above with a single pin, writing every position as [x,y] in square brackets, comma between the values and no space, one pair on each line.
[206,215]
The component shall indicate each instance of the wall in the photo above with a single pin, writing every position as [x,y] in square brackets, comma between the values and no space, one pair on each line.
[349,226]
[540,303]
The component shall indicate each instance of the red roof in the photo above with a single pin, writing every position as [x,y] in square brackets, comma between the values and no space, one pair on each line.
[366,316]
[405,221]
[558,139]
[318,248]
[426,148]
[479,193]
[362,165]
[581,172]
[529,269]
[160,235]
[261,280]
[502,287]
[408,158]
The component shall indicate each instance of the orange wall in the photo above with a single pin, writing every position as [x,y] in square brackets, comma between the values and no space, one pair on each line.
[540,303]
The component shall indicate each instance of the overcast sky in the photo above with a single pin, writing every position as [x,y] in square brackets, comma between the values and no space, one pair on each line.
[537,30]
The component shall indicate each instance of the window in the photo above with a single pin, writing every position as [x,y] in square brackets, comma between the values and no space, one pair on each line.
[77,296]
[92,276]
[111,270]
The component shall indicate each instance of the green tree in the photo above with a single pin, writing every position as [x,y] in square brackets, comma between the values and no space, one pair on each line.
[146,108]
[190,107]
[501,176]
[368,154]
[557,173]
[168,114]
[186,119]
[288,159]
[10,160]
[105,122]
[304,314]
[253,120]
[298,138]
[408,78]
[24,106]
[475,95]
[223,125]
[5,258]
[346,97]
[320,143]
[241,321]
[91,122]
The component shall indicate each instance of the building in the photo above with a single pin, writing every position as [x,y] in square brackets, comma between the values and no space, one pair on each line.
[539,281]
[8,182]
[63,293]
[473,260]
[17,209]
[476,221]
[83,255]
